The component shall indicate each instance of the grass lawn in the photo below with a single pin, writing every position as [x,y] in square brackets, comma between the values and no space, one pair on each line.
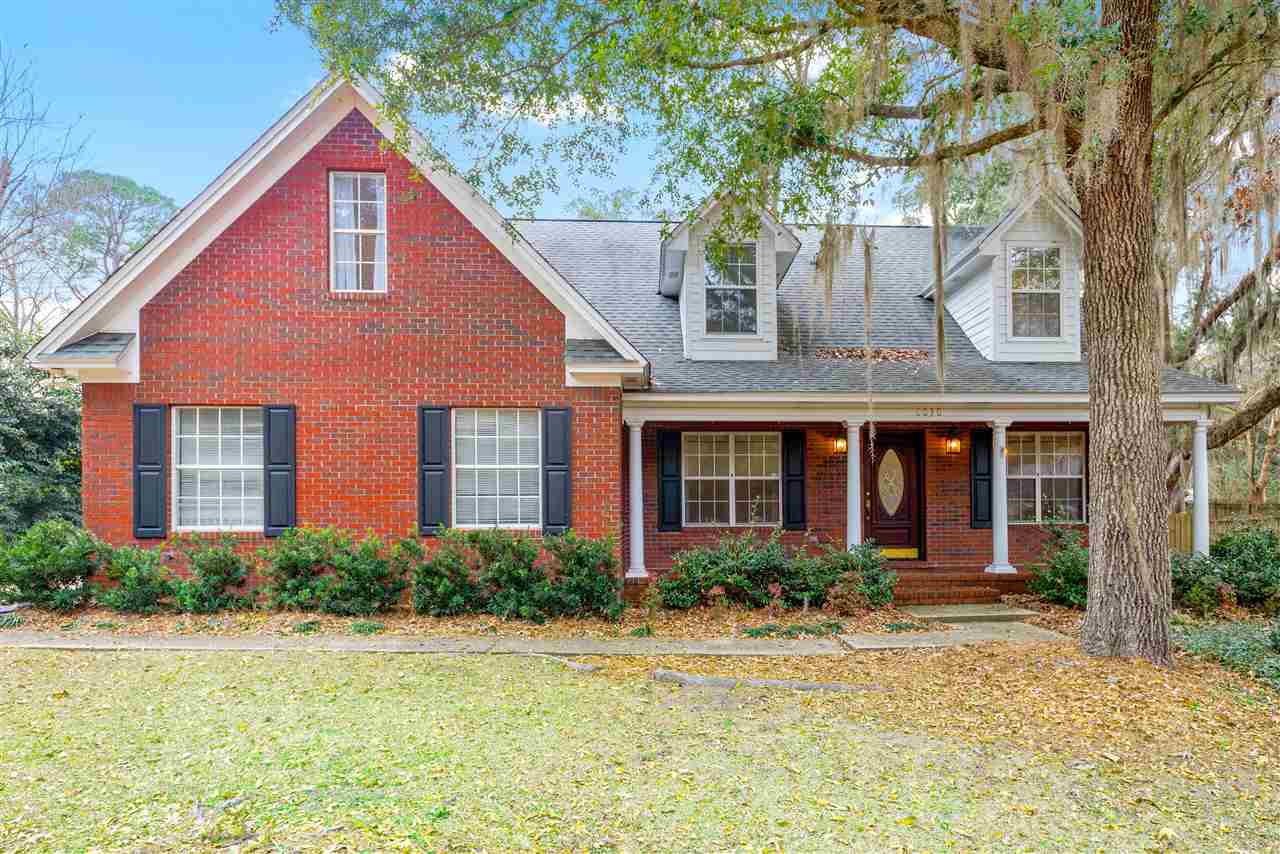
[993,748]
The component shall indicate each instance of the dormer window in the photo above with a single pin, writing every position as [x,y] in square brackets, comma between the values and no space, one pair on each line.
[1035,278]
[731,289]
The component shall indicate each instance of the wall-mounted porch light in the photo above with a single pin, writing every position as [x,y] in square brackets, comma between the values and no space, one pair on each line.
[842,445]
[952,442]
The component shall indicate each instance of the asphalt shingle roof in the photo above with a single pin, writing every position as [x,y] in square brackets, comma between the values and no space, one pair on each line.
[103,345]
[615,266]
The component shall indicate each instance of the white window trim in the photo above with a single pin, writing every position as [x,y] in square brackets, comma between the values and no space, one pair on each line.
[733,480]
[743,336]
[1009,246]
[334,230]
[174,476]
[453,471]
[1084,478]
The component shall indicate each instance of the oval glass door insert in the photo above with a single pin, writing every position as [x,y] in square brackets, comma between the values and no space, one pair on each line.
[889,484]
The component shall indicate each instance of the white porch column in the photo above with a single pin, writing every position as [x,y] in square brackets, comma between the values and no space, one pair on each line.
[999,498]
[1200,481]
[853,489]
[635,491]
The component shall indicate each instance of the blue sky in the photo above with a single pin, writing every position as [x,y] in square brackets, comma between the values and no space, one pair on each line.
[170,93]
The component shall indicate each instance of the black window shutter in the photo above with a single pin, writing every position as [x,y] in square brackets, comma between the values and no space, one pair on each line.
[980,465]
[557,486]
[280,470]
[433,470]
[148,470]
[669,486]
[793,515]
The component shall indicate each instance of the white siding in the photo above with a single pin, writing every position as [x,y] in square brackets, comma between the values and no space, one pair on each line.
[1041,226]
[702,346]
[970,305]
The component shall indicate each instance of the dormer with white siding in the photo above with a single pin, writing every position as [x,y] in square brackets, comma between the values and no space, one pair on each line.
[1016,290]
[727,284]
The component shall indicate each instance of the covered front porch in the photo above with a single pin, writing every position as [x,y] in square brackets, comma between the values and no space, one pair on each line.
[955,493]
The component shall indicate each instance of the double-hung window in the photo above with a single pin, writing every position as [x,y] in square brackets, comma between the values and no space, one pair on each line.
[1046,477]
[497,466]
[732,479]
[358,231]
[1035,276]
[217,468]
[731,289]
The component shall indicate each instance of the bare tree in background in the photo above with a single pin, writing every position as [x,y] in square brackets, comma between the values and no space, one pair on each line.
[36,153]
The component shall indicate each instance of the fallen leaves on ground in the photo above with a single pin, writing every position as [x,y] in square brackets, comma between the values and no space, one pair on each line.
[695,624]
[205,752]
[1044,697]
[1055,618]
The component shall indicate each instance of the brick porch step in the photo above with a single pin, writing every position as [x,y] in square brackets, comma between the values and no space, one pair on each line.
[946,596]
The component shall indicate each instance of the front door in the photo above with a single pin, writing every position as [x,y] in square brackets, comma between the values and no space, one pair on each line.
[894,511]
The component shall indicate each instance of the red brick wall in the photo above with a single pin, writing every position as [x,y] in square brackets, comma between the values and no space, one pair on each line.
[252,321]
[949,540]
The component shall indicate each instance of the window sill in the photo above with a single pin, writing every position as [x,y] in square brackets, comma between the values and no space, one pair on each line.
[1061,339]
[187,529]
[735,336]
[1060,523]
[730,526]
[357,295]
[537,527]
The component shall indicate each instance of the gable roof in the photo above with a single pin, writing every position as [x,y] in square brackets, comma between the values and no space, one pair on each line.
[113,306]
[615,264]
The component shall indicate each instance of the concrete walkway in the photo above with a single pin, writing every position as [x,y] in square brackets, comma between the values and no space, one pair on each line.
[970,633]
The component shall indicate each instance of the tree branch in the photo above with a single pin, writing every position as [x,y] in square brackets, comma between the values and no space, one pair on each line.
[948,152]
[1246,284]
[1259,405]
[765,58]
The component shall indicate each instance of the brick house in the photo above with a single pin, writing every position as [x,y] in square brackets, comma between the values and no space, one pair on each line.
[334,334]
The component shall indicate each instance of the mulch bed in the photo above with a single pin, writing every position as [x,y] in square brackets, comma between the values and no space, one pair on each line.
[695,624]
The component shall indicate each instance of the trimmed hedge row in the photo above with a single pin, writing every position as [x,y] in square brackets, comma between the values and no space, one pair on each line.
[319,569]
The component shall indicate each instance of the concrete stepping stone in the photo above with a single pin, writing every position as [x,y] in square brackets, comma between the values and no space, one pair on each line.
[968,613]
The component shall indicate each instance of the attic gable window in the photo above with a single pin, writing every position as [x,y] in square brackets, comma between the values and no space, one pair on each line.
[358,231]
[1035,279]
[731,289]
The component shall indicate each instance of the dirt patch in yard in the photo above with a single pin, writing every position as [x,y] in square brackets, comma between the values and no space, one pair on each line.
[694,624]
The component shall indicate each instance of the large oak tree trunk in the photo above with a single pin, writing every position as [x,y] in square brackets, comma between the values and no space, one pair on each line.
[1129,586]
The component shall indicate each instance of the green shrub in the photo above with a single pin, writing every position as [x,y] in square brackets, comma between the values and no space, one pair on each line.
[299,566]
[217,571]
[514,586]
[501,573]
[142,583]
[1063,579]
[365,580]
[862,568]
[749,572]
[586,580]
[49,564]
[366,627]
[1197,582]
[444,585]
[1273,639]
[1251,565]
[740,566]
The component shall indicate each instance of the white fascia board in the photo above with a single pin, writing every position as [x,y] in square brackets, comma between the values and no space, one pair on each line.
[904,399]
[546,278]
[634,406]
[77,322]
